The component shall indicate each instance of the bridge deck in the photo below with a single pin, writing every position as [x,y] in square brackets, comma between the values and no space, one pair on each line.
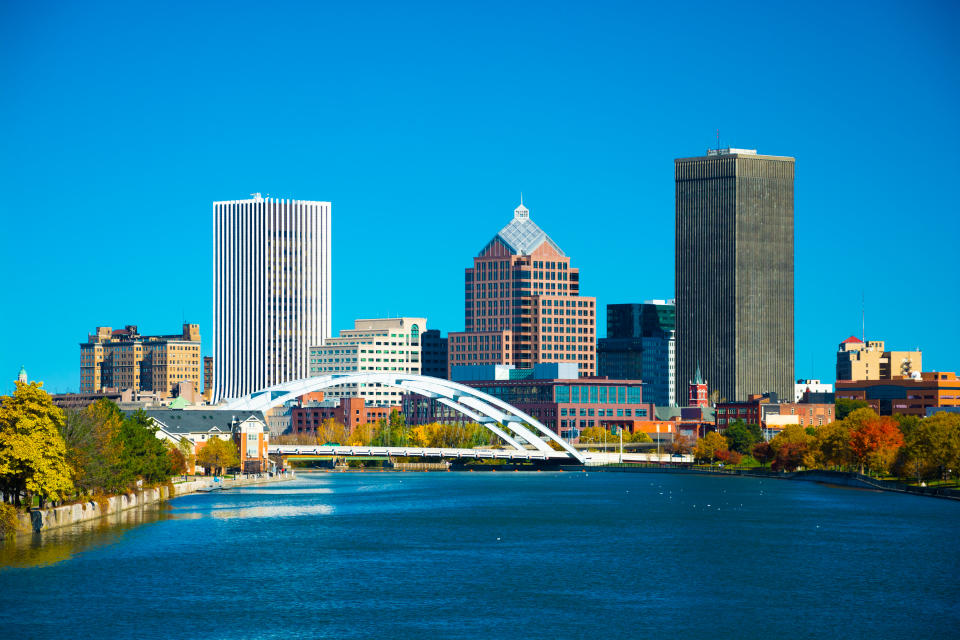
[414,452]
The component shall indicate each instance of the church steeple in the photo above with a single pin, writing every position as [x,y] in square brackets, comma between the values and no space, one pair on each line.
[22,376]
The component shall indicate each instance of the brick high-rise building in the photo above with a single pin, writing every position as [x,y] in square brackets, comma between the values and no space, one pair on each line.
[523,304]
[734,271]
[124,359]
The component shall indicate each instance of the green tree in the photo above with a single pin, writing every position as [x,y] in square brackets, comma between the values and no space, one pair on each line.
[931,448]
[844,407]
[33,456]
[143,455]
[740,438]
[637,437]
[218,454]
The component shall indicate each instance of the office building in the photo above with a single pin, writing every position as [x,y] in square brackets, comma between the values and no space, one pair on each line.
[385,345]
[911,395]
[433,350]
[271,291]
[549,392]
[350,412]
[640,345]
[523,304]
[124,359]
[734,271]
[859,360]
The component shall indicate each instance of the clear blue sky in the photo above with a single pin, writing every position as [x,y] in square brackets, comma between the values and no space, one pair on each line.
[122,122]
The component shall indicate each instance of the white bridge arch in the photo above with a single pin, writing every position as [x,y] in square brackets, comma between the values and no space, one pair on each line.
[505,420]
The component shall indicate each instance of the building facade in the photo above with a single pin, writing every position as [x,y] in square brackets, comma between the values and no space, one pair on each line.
[640,345]
[433,352]
[271,291]
[198,427]
[377,345]
[913,395]
[803,387]
[523,304]
[351,412]
[859,360]
[549,392]
[735,271]
[758,410]
[124,359]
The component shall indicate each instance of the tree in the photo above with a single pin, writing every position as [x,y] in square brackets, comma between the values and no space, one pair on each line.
[832,445]
[637,437]
[219,454]
[143,455]
[874,443]
[708,446]
[178,461]
[791,448]
[595,435]
[931,447]
[762,452]
[92,437]
[729,457]
[33,455]
[740,438]
[331,430]
[844,407]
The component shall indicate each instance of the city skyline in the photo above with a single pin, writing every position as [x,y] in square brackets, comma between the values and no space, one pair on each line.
[603,155]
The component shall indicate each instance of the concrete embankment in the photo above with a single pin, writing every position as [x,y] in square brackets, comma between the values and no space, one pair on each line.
[45,519]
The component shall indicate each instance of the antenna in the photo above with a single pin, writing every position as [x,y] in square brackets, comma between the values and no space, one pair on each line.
[718,139]
[863,316]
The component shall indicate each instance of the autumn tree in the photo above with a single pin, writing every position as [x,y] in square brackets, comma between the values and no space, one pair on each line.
[637,437]
[33,455]
[762,452]
[331,430]
[875,442]
[791,448]
[708,446]
[595,435]
[831,443]
[92,437]
[218,454]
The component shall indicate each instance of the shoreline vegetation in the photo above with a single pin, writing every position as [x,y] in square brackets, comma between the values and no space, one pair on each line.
[83,458]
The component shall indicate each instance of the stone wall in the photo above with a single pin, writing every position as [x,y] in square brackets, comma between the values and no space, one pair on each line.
[42,519]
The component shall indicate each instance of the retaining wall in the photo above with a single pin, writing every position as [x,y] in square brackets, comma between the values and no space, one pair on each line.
[43,519]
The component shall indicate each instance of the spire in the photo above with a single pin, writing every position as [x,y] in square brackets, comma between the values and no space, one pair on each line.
[698,379]
[521,212]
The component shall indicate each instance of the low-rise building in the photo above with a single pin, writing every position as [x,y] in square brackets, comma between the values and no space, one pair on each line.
[199,427]
[549,392]
[759,408]
[804,386]
[912,395]
[351,412]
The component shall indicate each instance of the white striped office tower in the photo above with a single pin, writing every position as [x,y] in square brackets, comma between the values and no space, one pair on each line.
[271,291]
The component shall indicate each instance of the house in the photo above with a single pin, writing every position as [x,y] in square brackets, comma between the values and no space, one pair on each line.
[197,426]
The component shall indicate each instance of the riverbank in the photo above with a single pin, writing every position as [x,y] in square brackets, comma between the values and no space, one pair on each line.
[39,520]
[843,478]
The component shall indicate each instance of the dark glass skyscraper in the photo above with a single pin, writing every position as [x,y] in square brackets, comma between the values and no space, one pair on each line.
[640,346]
[734,272]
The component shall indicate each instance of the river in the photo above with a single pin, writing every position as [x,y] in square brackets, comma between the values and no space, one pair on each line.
[499,555]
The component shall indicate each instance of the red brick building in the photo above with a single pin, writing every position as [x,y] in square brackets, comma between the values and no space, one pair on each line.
[351,412]
[907,395]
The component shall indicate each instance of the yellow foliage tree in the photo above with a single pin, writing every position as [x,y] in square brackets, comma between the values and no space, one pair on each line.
[218,454]
[708,446]
[33,456]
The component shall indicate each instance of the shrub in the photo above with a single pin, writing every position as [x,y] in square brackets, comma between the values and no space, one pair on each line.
[9,521]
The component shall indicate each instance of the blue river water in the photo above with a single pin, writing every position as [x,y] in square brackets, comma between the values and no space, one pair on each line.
[499,555]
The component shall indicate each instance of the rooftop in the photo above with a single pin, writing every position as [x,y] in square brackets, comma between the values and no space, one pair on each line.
[522,236]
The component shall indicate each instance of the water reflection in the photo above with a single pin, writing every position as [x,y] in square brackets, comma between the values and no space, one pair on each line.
[49,547]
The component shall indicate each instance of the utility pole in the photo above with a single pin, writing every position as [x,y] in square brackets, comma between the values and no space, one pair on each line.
[621,445]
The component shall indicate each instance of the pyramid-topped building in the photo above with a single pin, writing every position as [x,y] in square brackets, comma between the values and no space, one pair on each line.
[523,304]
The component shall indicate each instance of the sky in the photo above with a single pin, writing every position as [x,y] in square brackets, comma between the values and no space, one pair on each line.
[120,124]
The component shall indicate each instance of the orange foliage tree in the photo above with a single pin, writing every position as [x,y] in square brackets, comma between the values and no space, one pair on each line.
[875,442]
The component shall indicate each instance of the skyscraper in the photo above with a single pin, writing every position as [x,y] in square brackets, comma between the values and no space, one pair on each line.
[734,271]
[640,345]
[271,291]
[523,304]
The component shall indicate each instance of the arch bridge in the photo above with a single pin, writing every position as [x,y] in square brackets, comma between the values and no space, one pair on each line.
[518,430]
